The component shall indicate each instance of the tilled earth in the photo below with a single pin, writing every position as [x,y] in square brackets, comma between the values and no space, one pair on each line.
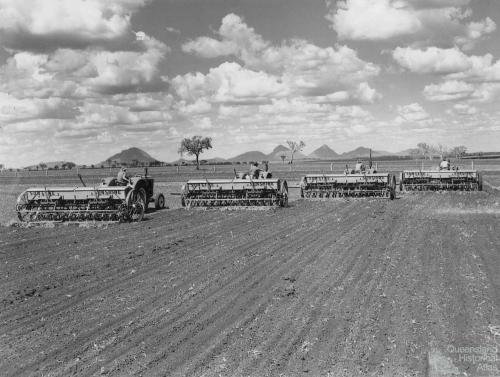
[357,287]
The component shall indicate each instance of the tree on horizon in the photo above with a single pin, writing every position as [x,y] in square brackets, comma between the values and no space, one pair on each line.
[295,146]
[194,146]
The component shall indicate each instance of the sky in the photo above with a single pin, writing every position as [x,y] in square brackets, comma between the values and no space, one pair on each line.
[81,80]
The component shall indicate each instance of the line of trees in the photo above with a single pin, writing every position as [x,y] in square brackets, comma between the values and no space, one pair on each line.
[429,151]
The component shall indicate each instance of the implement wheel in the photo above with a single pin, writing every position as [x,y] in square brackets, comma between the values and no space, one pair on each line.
[284,194]
[22,208]
[136,204]
[284,200]
[393,187]
[22,213]
[159,201]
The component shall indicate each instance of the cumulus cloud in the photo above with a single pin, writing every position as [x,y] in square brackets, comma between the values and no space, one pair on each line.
[137,102]
[438,3]
[200,106]
[465,77]
[481,69]
[475,31]
[450,62]
[413,112]
[421,21]
[13,110]
[432,60]
[204,123]
[462,109]
[373,19]
[448,91]
[269,89]
[209,48]
[229,83]
[122,71]
[302,66]
[83,73]
[487,92]
[172,30]
[42,24]
[236,37]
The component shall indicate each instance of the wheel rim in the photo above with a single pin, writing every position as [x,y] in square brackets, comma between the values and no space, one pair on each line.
[136,205]
[137,211]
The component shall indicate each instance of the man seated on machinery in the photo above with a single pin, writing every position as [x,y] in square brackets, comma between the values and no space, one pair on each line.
[444,165]
[360,167]
[265,174]
[123,178]
[254,170]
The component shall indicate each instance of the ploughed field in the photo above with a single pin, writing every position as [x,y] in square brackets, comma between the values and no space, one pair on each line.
[355,287]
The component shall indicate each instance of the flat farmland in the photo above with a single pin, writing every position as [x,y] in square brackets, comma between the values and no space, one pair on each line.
[341,287]
[169,180]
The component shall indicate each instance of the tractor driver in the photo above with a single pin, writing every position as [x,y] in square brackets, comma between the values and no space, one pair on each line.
[254,171]
[123,178]
[444,165]
[360,166]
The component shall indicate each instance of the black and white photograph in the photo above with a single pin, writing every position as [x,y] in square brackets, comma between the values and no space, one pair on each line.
[250,188]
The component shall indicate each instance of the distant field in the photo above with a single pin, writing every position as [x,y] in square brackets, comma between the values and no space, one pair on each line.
[168,180]
[181,174]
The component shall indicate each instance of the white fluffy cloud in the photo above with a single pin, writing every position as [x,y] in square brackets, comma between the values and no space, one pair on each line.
[83,73]
[462,109]
[229,83]
[448,91]
[423,21]
[210,48]
[126,70]
[432,60]
[465,77]
[274,88]
[373,19]
[451,62]
[412,113]
[475,31]
[15,110]
[303,67]
[236,38]
[487,92]
[42,24]
[481,69]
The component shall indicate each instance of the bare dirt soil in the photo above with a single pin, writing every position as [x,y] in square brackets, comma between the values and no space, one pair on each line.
[359,287]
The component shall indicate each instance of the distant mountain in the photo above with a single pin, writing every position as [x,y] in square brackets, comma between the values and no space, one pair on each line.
[281,150]
[250,156]
[131,156]
[362,152]
[323,153]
